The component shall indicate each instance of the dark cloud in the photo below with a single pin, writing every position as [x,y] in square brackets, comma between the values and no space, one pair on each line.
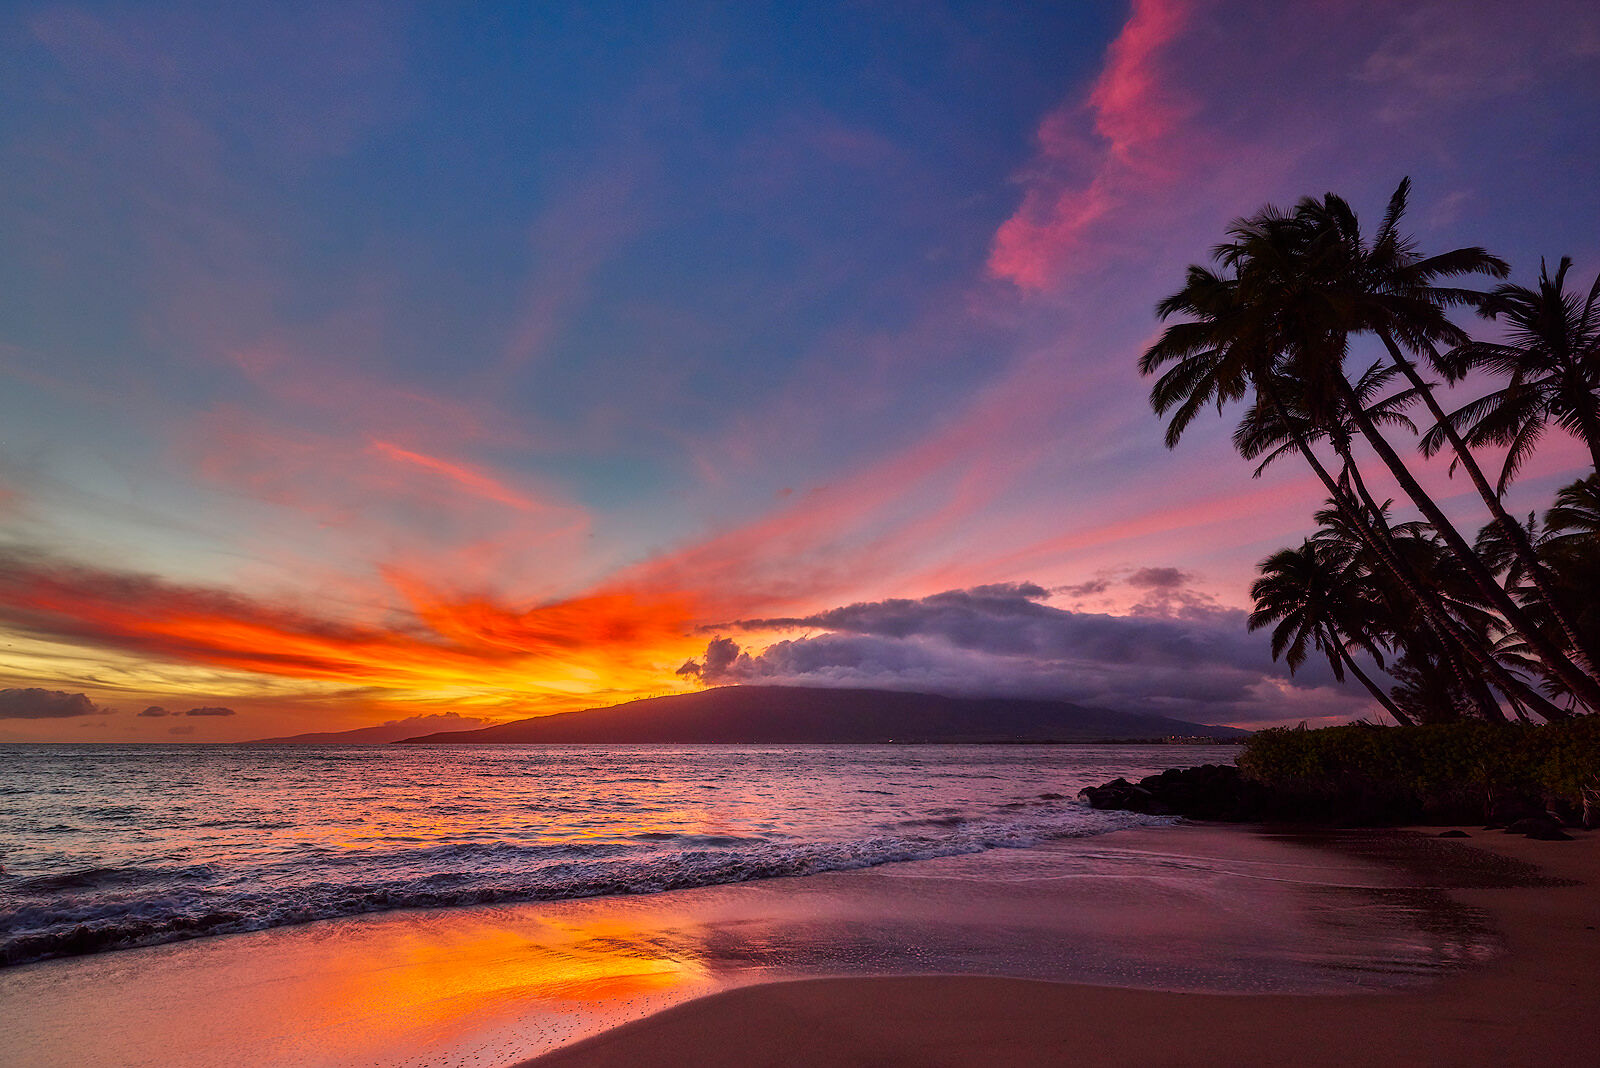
[155,710]
[1158,591]
[210,710]
[1085,589]
[1160,578]
[34,703]
[719,658]
[1198,663]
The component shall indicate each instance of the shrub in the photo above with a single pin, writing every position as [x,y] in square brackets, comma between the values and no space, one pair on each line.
[1456,772]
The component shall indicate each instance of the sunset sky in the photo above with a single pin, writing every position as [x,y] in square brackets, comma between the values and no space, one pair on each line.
[367,362]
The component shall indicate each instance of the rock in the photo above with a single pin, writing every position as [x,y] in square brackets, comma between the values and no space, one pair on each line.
[1210,792]
[1454,834]
[1549,834]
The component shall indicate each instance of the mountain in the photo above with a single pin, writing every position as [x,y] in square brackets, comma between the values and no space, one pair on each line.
[379,735]
[795,714]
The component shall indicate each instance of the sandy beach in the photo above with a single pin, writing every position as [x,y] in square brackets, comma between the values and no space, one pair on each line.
[1534,1003]
[1187,944]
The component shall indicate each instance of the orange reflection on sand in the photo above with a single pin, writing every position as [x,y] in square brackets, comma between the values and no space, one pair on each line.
[420,983]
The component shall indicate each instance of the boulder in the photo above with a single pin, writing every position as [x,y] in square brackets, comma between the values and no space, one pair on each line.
[1543,828]
[1209,792]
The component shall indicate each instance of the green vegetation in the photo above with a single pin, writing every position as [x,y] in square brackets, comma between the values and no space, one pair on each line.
[1501,627]
[1453,772]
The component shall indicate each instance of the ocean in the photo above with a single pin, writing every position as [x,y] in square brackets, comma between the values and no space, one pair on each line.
[107,847]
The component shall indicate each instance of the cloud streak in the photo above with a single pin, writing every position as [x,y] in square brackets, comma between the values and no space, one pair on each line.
[560,652]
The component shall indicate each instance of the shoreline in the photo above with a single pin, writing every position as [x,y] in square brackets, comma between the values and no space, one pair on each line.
[1531,1003]
[1173,907]
[1086,929]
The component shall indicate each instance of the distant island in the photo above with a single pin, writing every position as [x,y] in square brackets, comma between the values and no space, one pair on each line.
[382,734]
[771,715]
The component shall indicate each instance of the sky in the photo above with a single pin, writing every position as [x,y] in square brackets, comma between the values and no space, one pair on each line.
[368,362]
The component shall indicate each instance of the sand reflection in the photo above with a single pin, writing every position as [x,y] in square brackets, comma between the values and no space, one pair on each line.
[470,986]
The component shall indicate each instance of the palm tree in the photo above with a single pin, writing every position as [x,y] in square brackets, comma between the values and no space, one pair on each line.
[1452,633]
[1551,358]
[1571,543]
[1569,551]
[1265,431]
[1320,282]
[1311,599]
[1235,340]
[1576,513]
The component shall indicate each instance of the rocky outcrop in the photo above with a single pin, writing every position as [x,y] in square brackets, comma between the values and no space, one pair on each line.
[1209,792]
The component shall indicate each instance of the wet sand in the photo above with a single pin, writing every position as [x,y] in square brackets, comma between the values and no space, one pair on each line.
[1534,1003]
[1207,910]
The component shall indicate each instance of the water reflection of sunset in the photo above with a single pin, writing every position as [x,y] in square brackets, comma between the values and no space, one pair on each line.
[401,989]
[417,980]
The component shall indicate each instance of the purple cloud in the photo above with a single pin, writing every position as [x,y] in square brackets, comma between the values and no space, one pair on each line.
[35,703]
[1003,640]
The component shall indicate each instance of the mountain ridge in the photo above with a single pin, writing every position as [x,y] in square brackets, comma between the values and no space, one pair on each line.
[756,715]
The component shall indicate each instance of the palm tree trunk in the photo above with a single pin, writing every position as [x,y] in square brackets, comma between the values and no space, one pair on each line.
[1381,548]
[1591,436]
[1515,533]
[1473,687]
[1377,694]
[1440,623]
[1584,688]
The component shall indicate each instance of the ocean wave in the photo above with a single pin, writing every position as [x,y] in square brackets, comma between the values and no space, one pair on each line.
[97,910]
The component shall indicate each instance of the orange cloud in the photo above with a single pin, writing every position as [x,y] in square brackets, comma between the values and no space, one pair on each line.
[552,656]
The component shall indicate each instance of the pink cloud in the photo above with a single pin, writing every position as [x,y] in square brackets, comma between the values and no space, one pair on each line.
[1079,178]
[467,477]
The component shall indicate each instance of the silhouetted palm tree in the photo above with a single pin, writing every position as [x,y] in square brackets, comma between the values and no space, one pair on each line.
[1452,632]
[1576,513]
[1569,552]
[1551,360]
[1314,276]
[1242,335]
[1312,600]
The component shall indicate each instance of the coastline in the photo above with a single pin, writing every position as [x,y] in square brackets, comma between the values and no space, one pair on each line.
[1266,933]
[1531,1003]
[1186,907]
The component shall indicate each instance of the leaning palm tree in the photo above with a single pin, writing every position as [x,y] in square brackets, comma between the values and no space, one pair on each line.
[1237,338]
[1266,432]
[1314,275]
[1310,599]
[1569,550]
[1576,513]
[1550,358]
[1392,291]
[1460,639]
